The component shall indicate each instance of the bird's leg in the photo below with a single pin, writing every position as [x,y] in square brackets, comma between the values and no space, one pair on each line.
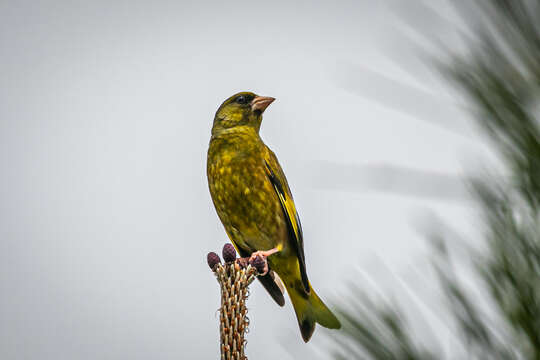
[264,255]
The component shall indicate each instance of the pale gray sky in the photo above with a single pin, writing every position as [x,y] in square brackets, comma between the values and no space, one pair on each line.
[106,110]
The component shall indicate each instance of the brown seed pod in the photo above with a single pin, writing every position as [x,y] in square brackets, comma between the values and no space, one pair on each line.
[213,259]
[259,263]
[229,253]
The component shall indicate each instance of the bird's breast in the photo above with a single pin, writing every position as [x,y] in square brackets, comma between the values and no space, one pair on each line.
[243,196]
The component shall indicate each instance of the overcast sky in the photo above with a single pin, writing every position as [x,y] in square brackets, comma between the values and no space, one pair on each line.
[105,117]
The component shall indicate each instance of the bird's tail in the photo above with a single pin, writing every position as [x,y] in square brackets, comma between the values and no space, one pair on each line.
[309,310]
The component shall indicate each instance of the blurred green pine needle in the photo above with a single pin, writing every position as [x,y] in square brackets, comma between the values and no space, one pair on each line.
[499,76]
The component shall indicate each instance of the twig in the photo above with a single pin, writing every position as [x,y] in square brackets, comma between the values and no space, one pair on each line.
[234,278]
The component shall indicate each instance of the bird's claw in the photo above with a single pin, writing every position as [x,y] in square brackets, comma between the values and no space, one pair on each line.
[264,254]
[260,263]
[258,258]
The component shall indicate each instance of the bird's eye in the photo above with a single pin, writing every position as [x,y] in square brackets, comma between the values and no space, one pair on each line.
[241,99]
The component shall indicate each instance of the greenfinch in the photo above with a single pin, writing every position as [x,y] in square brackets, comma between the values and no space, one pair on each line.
[254,202]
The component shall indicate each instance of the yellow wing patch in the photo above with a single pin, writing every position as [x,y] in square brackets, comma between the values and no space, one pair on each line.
[278,180]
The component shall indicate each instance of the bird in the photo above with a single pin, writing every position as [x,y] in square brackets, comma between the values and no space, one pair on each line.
[254,202]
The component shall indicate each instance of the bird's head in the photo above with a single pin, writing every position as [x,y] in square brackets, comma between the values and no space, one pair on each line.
[242,109]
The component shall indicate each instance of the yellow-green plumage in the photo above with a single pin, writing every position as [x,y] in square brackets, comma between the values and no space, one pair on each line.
[255,205]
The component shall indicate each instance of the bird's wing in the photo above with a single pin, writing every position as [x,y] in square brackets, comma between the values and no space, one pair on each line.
[279,181]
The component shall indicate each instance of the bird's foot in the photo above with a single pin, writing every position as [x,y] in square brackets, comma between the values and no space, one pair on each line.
[260,256]
[264,254]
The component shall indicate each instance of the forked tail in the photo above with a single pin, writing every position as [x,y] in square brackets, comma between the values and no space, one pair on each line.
[310,310]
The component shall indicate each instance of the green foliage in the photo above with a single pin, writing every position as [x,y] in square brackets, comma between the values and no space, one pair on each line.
[500,79]
[375,331]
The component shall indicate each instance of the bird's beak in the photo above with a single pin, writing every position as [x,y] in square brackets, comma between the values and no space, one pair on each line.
[261,103]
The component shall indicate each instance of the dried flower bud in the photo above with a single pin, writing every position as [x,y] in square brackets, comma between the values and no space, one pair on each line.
[229,253]
[243,262]
[259,263]
[213,259]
